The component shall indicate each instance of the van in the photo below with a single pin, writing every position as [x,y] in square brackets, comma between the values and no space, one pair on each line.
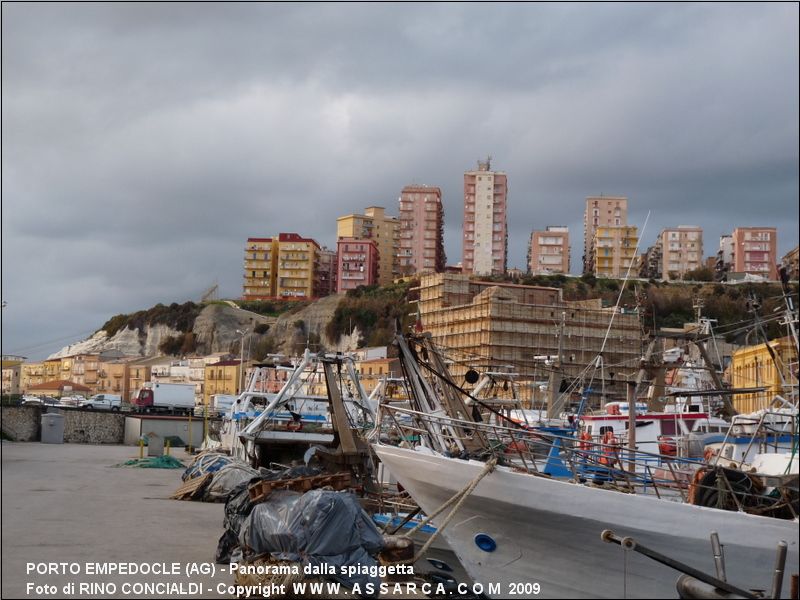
[102,402]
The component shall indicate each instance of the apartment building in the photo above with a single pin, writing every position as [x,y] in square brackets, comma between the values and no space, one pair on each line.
[85,369]
[297,261]
[601,211]
[650,261]
[485,235]
[384,230]
[681,251]
[281,267]
[357,264]
[11,374]
[327,264]
[113,376]
[724,259]
[791,262]
[755,367]
[755,251]
[138,373]
[222,377]
[421,230]
[548,251]
[614,252]
[260,268]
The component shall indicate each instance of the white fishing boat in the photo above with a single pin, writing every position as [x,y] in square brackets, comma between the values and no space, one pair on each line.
[515,526]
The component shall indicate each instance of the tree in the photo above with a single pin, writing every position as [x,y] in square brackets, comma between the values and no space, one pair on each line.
[699,274]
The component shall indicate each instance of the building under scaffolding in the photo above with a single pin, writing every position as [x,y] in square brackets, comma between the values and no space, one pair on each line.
[505,327]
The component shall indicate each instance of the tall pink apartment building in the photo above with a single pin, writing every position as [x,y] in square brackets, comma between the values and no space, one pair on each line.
[485,242]
[357,263]
[601,211]
[549,251]
[755,251]
[421,230]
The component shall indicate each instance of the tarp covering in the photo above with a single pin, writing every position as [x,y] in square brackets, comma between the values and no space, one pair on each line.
[239,505]
[208,462]
[318,527]
[226,479]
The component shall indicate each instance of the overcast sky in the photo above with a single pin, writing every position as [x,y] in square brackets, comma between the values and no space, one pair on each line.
[142,144]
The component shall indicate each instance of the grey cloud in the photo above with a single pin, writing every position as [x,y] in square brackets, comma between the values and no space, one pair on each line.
[144,142]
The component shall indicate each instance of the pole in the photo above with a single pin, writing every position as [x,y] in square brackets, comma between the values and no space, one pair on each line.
[631,426]
[241,365]
[553,406]
[242,332]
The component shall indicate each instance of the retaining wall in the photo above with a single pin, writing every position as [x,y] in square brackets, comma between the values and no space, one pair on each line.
[22,423]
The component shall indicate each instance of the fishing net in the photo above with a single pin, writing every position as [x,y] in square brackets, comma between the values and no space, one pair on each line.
[153,462]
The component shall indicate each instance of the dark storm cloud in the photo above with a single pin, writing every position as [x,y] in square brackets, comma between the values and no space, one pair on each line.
[142,143]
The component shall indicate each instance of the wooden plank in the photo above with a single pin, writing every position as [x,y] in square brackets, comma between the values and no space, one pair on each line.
[261,490]
[192,488]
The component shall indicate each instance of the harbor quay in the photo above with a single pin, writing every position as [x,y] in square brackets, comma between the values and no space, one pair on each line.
[75,527]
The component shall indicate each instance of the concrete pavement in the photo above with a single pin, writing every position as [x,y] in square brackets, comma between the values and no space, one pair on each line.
[65,503]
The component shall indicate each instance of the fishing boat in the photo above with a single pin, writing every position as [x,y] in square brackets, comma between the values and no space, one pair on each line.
[514,525]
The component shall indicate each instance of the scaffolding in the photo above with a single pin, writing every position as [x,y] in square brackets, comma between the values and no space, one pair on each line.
[483,325]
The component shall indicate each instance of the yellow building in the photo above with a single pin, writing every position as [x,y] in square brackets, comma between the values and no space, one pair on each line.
[375,225]
[260,268]
[297,260]
[613,251]
[371,371]
[51,369]
[138,373]
[221,377]
[753,366]
[32,374]
[12,374]
[113,377]
[85,370]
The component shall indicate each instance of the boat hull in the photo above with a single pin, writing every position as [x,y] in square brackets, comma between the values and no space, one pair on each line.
[547,532]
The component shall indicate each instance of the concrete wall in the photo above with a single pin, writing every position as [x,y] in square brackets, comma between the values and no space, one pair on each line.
[21,423]
[135,427]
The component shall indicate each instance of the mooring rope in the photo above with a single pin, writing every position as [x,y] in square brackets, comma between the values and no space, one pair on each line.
[458,499]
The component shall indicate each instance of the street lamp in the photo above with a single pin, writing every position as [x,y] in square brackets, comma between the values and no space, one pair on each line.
[242,332]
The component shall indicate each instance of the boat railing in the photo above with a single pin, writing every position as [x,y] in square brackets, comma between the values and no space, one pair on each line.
[761,430]
[557,453]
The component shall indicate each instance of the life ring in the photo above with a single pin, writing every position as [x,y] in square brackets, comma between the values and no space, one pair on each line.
[709,454]
[610,439]
[294,425]
[610,442]
[698,475]
[667,445]
[585,441]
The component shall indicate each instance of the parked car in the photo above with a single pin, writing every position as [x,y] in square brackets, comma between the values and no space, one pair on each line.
[103,402]
[39,401]
[71,400]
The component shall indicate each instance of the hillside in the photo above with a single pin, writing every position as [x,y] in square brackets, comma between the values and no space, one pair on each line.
[362,317]
[368,316]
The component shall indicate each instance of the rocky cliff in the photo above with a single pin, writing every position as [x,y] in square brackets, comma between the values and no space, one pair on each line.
[214,330]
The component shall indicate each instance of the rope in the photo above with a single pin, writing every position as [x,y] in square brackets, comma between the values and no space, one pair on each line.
[459,498]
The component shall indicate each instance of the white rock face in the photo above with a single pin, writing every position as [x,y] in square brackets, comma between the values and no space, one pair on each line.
[214,329]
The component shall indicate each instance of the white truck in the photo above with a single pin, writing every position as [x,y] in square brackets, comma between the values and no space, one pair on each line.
[102,402]
[165,397]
